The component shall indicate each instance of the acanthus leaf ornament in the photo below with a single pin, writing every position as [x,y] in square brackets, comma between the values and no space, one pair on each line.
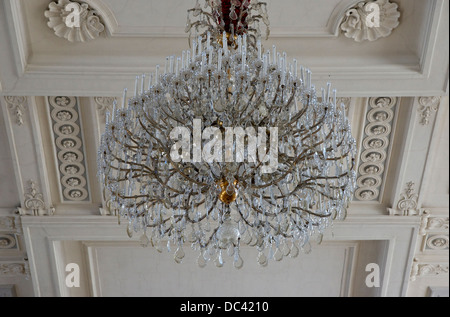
[407,204]
[34,200]
[74,21]
[370,20]
[17,106]
[427,105]
[420,269]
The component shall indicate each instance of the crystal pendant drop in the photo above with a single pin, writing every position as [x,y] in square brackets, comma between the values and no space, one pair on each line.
[307,248]
[262,259]
[294,251]
[278,255]
[130,231]
[201,260]
[219,260]
[144,241]
[179,255]
[238,263]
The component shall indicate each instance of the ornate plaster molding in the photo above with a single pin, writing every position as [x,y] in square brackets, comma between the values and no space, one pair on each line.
[431,223]
[68,141]
[437,242]
[407,204]
[109,211]
[17,107]
[374,152]
[15,269]
[370,20]
[427,269]
[74,21]
[104,104]
[427,105]
[8,241]
[34,204]
[10,223]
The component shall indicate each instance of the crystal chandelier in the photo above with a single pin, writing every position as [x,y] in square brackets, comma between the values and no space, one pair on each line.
[230,145]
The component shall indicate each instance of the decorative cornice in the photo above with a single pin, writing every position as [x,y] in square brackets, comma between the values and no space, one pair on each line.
[370,20]
[74,21]
[68,141]
[374,152]
[17,106]
[427,105]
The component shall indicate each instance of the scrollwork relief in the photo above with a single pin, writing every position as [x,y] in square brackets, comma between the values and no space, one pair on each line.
[427,269]
[17,107]
[427,105]
[370,20]
[74,21]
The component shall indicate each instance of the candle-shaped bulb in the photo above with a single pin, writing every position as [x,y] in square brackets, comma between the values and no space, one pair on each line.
[194,48]
[259,45]
[295,68]
[200,45]
[142,83]
[274,54]
[183,57]
[114,109]
[157,75]
[171,70]
[124,100]
[225,43]
[334,97]
[136,86]
[150,81]
[203,62]
[219,59]
[328,92]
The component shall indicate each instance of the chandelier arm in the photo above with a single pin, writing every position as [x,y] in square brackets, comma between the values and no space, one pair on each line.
[154,124]
[257,210]
[300,157]
[183,174]
[253,110]
[213,205]
[213,235]
[120,160]
[278,88]
[171,116]
[312,212]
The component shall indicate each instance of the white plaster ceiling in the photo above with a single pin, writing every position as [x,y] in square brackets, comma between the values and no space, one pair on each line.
[139,39]
[410,64]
